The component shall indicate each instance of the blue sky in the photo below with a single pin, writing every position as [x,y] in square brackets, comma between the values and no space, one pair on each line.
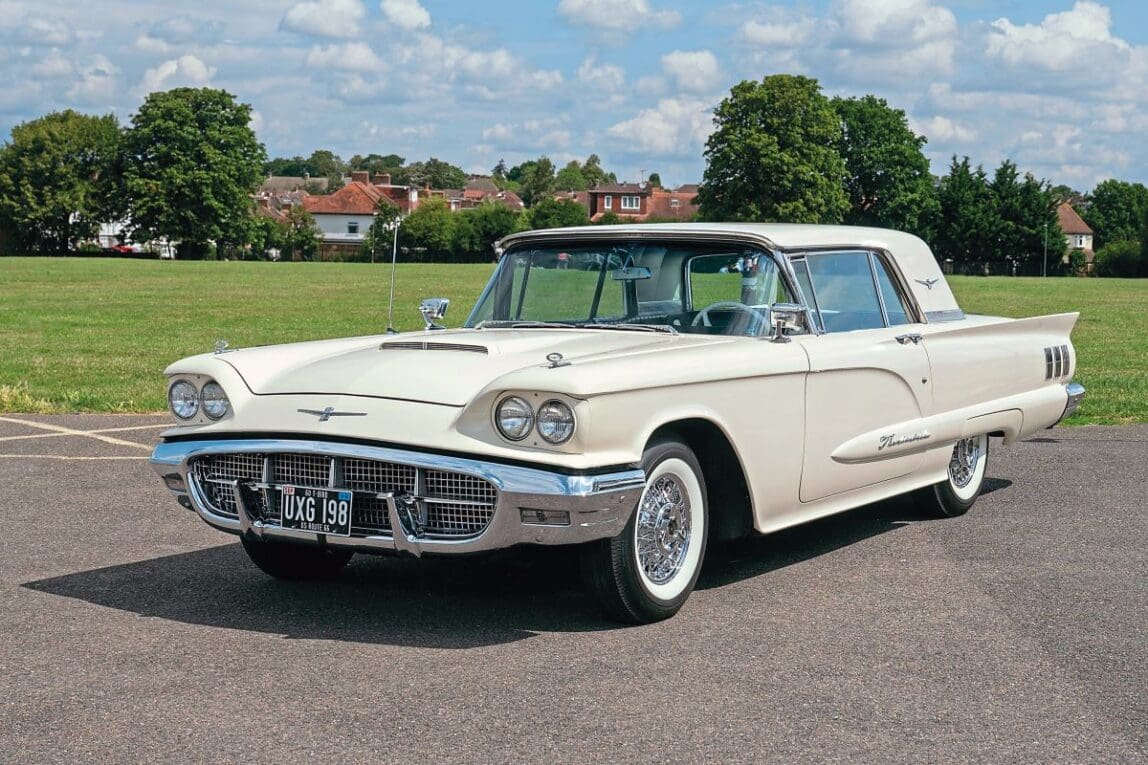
[1061,88]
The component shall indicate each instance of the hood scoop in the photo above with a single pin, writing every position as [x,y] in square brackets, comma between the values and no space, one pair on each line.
[428,345]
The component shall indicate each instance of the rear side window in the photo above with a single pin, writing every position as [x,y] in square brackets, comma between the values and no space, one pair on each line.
[895,309]
[846,294]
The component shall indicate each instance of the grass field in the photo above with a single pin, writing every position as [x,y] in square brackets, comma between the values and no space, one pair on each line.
[94,334]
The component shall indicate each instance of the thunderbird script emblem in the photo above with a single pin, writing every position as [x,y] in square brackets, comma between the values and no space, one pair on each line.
[927,282]
[329,412]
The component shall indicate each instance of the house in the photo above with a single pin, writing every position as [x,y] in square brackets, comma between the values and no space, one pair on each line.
[1077,234]
[345,216]
[639,201]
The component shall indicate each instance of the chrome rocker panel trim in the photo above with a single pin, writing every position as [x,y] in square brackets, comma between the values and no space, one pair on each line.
[599,505]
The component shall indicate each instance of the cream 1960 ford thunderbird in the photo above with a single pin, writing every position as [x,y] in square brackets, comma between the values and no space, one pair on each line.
[635,390]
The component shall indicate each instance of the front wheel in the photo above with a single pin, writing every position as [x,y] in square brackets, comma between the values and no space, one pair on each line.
[284,560]
[961,487]
[646,573]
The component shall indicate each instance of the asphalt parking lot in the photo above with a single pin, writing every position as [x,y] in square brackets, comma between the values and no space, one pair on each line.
[132,632]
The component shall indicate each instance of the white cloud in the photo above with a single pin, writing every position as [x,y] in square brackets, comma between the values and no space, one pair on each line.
[53,66]
[184,29]
[1077,43]
[676,127]
[186,70]
[149,44]
[784,33]
[693,71]
[940,129]
[545,135]
[892,23]
[606,77]
[325,18]
[350,57]
[616,15]
[98,83]
[42,30]
[433,65]
[408,14]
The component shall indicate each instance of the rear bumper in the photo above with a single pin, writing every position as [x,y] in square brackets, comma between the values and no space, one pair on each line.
[1075,393]
[533,505]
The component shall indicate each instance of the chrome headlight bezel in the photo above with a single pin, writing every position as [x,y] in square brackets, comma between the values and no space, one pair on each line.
[188,395]
[555,422]
[525,414]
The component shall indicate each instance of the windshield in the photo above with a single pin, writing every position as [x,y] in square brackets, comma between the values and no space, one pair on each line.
[683,287]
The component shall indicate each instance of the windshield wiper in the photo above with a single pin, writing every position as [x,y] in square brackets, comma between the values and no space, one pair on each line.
[512,324]
[633,327]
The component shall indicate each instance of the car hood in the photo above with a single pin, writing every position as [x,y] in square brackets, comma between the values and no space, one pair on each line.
[449,368]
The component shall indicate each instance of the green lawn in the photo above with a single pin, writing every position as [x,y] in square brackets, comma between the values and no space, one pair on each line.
[94,334]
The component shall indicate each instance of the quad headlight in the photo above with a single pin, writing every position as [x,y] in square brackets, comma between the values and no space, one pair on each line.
[516,419]
[183,398]
[186,400]
[555,422]
[215,403]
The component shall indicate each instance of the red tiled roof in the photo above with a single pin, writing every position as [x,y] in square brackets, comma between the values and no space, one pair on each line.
[356,198]
[1070,221]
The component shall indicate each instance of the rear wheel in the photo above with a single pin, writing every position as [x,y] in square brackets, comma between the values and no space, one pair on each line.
[961,487]
[646,573]
[284,560]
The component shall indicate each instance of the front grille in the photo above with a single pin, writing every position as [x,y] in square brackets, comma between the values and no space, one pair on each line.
[449,505]
[216,476]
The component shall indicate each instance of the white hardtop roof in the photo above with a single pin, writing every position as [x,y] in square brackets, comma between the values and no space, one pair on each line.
[914,258]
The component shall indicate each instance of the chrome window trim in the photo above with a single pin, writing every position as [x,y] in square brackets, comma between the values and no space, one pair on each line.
[909,300]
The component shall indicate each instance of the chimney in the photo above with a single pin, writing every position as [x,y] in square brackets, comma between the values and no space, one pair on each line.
[384,179]
[360,176]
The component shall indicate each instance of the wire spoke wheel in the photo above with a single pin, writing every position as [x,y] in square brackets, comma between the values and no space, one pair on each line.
[646,572]
[663,529]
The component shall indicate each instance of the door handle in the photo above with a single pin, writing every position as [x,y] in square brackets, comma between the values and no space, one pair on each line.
[912,337]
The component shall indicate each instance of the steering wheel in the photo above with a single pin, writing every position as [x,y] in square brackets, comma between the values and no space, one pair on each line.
[702,319]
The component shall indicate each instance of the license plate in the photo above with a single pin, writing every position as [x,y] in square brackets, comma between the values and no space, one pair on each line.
[322,511]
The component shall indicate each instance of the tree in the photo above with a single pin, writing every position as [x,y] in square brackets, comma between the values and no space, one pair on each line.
[773,155]
[301,240]
[887,174]
[655,180]
[191,160]
[1027,213]
[968,214]
[57,180]
[380,239]
[1124,258]
[477,229]
[570,178]
[377,164]
[428,232]
[435,174]
[499,171]
[537,181]
[594,174]
[558,213]
[1116,211]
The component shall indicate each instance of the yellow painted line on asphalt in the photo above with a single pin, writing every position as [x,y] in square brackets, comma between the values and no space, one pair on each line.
[71,432]
[63,457]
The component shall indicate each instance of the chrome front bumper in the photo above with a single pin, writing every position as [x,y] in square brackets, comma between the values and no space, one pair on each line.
[534,505]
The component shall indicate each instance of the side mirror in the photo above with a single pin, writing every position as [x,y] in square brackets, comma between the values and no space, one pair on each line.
[787,316]
[433,310]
